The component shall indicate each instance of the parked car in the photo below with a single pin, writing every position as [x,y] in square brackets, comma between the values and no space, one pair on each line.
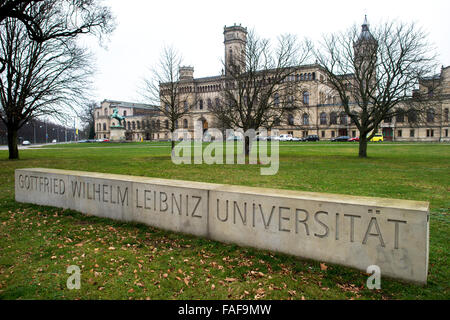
[378,137]
[312,137]
[294,139]
[356,139]
[340,139]
[26,143]
[285,137]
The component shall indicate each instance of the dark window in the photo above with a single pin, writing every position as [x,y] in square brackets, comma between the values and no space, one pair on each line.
[104,127]
[200,104]
[209,104]
[399,133]
[411,133]
[133,124]
[323,134]
[276,99]
[343,118]
[446,114]
[305,119]
[138,125]
[186,107]
[166,124]
[333,118]
[400,117]
[124,113]
[185,124]
[323,118]
[446,133]
[430,133]
[332,134]
[430,115]
[306,98]
[353,134]
[412,116]
[291,120]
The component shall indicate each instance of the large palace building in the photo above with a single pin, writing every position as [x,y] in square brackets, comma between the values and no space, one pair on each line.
[320,115]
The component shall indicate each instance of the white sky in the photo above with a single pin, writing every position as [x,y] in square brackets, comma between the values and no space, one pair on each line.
[195,28]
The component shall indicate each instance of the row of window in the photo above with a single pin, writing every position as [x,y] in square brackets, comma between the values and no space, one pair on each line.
[145,124]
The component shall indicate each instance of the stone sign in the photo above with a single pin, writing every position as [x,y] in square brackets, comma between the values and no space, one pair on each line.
[353,231]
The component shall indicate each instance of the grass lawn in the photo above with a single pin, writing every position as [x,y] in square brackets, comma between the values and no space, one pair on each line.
[131,261]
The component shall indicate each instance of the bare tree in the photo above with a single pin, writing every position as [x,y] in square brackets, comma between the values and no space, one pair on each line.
[162,89]
[87,117]
[41,78]
[259,87]
[376,73]
[58,19]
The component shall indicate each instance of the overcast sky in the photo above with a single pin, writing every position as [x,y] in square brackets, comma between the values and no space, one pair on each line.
[195,28]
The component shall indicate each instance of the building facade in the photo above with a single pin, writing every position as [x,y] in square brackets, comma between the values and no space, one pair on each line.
[321,113]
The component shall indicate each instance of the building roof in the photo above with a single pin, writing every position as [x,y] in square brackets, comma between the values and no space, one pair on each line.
[125,104]
[365,32]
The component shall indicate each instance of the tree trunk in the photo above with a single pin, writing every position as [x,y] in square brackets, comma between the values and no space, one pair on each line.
[12,144]
[247,145]
[363,147]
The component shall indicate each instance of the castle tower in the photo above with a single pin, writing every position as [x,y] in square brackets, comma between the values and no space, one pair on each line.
[365,54]
[366,46]
[186,73]
[235,44]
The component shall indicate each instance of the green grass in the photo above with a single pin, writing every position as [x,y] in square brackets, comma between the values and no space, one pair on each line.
[123,261]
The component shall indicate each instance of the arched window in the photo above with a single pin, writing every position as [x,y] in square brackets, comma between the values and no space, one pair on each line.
[309,76]
[446,114]
[217,102]
[333,118]
[124,113]
[200,104]
[138,125]
[209,104]
[306,98]
[133,125]
[297,77]
[166,124]
[302,77]
[186,107]
[129,125]
[158,124]
[343,118]
[185,124]
[305,119]
[153,124]
[106,111]
[323,118]
[104,127]
[291,120]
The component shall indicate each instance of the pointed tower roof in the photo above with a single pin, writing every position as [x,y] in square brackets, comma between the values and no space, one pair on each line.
[365,32]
